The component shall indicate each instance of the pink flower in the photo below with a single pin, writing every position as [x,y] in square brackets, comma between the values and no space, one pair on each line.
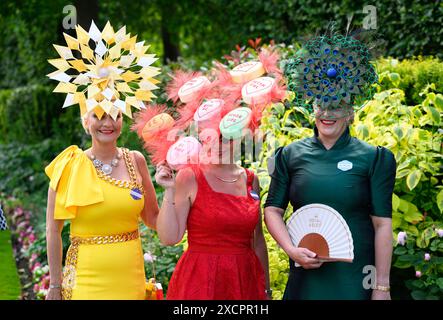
[31,238]
[34,256]
[440,232]
[401,238]
[35,266]
[18,211]
[427,257]
[36,288]
[148,257]
[22,235]
[22,225]
[45,283]
[418,274]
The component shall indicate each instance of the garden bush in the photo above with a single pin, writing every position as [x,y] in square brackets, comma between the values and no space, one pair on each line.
[33,113]
[412,76]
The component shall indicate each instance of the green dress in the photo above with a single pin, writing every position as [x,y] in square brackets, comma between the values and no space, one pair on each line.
[304,172]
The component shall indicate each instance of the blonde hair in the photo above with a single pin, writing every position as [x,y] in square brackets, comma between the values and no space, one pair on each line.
[83,121]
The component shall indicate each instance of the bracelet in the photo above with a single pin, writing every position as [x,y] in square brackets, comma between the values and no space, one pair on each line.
[382,288]
[55,286]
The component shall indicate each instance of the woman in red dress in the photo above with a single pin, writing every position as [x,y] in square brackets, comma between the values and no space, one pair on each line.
[219,206]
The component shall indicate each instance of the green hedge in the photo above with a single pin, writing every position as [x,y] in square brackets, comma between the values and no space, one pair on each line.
[32,113]
[413,76]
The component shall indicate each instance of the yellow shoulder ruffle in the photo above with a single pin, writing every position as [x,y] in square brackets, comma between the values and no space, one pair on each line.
[74,179]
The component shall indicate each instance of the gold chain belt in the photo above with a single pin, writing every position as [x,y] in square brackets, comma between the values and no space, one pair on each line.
[106,239]
[69,271]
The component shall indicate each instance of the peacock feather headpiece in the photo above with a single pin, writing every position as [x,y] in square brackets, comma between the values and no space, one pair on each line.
[331,72]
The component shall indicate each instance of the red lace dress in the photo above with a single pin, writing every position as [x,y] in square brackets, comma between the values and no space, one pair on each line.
[220,263]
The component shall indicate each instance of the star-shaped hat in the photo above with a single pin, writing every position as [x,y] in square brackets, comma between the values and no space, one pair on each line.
[106,71]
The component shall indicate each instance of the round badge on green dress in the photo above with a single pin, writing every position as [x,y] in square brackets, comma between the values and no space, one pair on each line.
[235,122]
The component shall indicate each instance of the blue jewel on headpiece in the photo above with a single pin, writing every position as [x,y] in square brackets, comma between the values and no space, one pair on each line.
[332,73]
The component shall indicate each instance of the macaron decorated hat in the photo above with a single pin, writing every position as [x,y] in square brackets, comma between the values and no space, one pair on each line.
[213,104]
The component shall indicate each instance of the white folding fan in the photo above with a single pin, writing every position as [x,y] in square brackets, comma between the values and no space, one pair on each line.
[322,230]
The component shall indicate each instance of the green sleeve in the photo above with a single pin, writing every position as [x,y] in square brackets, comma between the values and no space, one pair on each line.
[278,193]
[382,182]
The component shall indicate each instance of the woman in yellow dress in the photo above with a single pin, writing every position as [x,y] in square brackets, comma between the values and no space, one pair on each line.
[104,190]
[105,259]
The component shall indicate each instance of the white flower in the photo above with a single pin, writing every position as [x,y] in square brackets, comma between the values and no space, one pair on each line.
[43,292]
[440,232]
[418,274]
[401,238]
[427,257]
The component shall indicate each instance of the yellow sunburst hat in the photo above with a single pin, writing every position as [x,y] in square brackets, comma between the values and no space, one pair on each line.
[112,76]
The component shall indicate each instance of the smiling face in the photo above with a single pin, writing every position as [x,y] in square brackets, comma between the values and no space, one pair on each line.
[332,123]
[104,130]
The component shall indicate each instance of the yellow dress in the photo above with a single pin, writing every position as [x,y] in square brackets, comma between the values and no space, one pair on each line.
[113,268]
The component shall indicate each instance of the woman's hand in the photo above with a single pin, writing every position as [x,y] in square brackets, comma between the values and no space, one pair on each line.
[305,257]
[54,294]
[164,175]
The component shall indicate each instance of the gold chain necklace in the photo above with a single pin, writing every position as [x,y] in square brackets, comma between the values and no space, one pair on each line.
[228,180]
[136,189]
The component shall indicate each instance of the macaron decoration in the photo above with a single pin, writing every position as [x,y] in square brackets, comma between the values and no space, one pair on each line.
[162,121]
[209,111]
[234,124]
[258,90]
[189,91]
[183,153]
[247,71]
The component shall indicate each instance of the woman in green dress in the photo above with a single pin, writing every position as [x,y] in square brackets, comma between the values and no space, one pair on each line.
[337,170]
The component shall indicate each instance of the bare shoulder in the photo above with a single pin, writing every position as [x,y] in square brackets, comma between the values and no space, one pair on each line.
[137,154]
[139,159]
